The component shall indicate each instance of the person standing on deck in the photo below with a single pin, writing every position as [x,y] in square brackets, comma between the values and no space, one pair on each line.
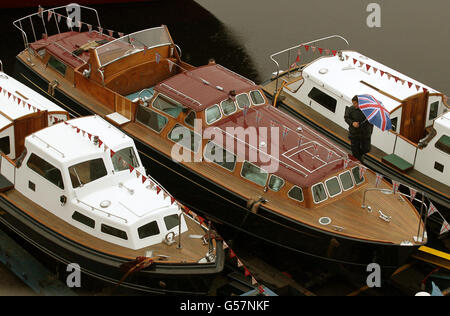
[360,130]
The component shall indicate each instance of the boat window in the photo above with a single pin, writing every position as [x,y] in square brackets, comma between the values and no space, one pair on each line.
[45,170]
[213,114]
[257,97]
[333,186]
[185,137]
[190,119]
[83,219]
[433,110]
[171,221]
[243,100]
[275,183]
[254,173]
[228,106]
[87,171]
[4,145]
[114,231]
[151,119]
[323,99]
[438,166]
[57,65]
[220,156]
[346,180]
[355,172]
[296,193]
[443,144]
[148,230]
[319,193]
[123,158]
[167,105]
[394,122]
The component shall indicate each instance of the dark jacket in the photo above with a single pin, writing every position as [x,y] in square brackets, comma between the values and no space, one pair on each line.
[353,114]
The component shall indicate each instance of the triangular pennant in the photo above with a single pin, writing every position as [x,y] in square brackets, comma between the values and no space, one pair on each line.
[89,136]
[334,52]
[131,168]
[49,16]
[382,73]
[327,51]
[410,84]
[246,272]
[425,90]
[120,34]
[445,227]
[110,32]
[368,67]
[138,174]
[232,254]
[112,152]
[378,179]
[158,189]
[354,61]
[59,17]
[431,210]
[172,200]
[313,48]
[144,178]
[412,194]
[320,50]
[417,87]
[375,70]
[306,47]
[254,282]
[239,263]
[100,142]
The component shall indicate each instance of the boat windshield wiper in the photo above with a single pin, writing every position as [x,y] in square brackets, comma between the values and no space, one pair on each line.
[78,178]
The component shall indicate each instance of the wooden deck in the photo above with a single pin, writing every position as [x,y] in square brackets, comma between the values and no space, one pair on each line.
[192,248]
[342,134]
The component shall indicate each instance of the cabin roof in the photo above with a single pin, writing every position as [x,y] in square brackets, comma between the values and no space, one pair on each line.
[68,145]
[299,164]
[204,86]
[443,121]
[63,45]
[17,100]
[344,78]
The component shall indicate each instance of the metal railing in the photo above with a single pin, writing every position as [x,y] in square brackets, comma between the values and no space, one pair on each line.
[288,50]
[93,208]
[44,21]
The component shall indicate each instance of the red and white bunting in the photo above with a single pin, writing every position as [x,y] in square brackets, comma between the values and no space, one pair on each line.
[412,194]
[395,186]
[431,210]
[378,179]
[49,16]
[329,155]
[362,171]
[346,162]
[445,227]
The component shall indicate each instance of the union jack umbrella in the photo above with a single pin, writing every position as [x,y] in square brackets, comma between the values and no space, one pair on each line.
[375,112]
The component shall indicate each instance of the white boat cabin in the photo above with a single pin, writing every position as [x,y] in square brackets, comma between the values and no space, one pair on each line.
[420,137]
[90,186]
[22,112]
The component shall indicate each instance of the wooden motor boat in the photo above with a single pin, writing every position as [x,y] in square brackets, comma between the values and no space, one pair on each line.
[67,189]
[262,173]
[416,150]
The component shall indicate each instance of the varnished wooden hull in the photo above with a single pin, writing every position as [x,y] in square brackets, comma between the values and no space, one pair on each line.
[160,278]
[223,206]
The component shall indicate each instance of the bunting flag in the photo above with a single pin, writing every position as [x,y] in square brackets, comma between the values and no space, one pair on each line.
[362,171]
[445,227]
[346,162]
[378,179]
[110,32]
[431,210]
[285,131]
[330,154]
[315,147]
[120,34]
[395,185]
[49,16]
[412,193]
[59,17]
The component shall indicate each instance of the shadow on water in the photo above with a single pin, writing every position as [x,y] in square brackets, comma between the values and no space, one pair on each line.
[199,34]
